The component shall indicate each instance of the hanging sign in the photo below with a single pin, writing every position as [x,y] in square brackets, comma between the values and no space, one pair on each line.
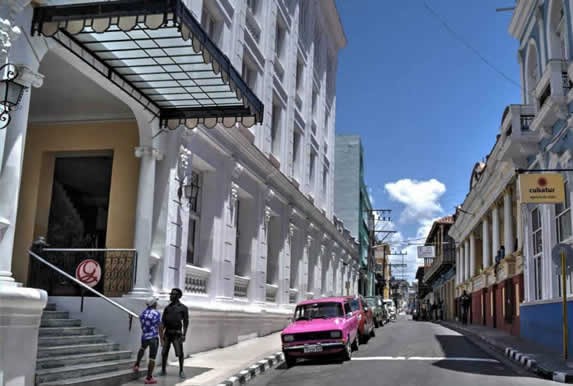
[89,272]
[426,251]
[542,188]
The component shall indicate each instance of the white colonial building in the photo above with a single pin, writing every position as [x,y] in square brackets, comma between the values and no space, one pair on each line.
[141,141]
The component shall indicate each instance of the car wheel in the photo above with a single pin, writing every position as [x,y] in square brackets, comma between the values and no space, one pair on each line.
[290,361]
[372,332]
[356,343]
[376,324]
[347,353]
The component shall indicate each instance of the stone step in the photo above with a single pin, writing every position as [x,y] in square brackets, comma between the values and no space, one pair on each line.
[69,360]
[76,349]
[50,307]
[60,323]
[113,378]
[82,370]
[70,340]
[65,331]
[55,315]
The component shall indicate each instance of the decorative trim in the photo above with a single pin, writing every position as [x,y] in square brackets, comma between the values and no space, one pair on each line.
[148,151]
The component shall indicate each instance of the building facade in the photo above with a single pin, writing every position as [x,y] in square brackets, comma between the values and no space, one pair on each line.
[440,274]
[230,204]
[382,269]
[352,203]
[545,35]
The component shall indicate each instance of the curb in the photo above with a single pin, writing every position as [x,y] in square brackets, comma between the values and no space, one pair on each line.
[252,371]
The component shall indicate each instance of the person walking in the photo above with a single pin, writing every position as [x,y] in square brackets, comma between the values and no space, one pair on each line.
[465,300]
[150,320]
[174,326]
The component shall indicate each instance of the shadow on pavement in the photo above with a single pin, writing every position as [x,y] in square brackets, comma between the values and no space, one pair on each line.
[458,346]
[314,362]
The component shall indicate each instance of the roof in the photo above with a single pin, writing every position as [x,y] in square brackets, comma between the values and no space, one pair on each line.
[323,300]
[446,220]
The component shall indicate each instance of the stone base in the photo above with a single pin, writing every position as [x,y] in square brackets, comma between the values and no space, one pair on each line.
[20,313]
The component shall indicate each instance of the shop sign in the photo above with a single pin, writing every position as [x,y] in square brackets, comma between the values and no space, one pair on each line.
[541,188]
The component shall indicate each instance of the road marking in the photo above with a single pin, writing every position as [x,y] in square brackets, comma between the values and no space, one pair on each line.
[401,358]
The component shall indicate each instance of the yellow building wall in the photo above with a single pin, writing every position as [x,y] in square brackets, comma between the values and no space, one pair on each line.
[46,141]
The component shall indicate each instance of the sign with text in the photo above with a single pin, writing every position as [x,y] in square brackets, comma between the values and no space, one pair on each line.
[542,188]
[426,251]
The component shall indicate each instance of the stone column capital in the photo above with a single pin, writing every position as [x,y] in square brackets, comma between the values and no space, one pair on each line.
[29,77]
[148,151]
[234,193]
[291,229]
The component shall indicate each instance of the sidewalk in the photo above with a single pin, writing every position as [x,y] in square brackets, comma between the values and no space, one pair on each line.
[210,368]
[534,357]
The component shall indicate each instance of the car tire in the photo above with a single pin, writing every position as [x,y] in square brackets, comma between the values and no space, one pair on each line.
[356,343]
[290,361]
[376,324]
[372,333]
[347,353]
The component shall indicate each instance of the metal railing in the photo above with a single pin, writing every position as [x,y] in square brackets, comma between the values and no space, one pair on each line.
[131,314]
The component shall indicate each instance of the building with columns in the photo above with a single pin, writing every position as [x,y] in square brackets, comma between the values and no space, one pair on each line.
[189,147]
[544,33]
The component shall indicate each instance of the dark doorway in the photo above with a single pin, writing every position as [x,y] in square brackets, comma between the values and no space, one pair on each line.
[80,202]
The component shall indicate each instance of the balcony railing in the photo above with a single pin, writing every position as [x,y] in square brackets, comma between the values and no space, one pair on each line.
[196,280]
[109,271]
[519,138]
[292,295]
[441,262]
[241,286]
[551,92]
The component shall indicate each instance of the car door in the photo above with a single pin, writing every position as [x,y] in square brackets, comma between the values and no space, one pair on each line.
[352,321]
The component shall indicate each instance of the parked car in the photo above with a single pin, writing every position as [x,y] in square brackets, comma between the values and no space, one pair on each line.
[378,310]
[320,327]
[365,319]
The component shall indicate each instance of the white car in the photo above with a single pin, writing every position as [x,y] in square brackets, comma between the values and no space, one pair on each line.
[391,308]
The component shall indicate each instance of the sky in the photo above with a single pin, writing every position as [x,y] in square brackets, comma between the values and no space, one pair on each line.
[424,102]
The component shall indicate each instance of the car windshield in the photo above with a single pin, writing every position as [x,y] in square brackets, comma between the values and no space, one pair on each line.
[318,310]
[354,305]
[371,302]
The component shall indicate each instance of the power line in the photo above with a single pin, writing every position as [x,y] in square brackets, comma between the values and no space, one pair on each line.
[459,38]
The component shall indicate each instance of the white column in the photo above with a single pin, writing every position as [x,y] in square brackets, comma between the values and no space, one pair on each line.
[284,268]
[495,231]
[144,217]
[20,307]
[467,260]
[472,255]
[458,254]
[486,256]
[508,223]
[303,268]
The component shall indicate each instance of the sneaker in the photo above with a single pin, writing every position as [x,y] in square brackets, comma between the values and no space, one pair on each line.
[135,368]
[163,373]
[150,381]
[181,375]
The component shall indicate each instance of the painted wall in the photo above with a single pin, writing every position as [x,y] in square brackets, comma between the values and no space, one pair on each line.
[347,182]
[43,143]
[542,323]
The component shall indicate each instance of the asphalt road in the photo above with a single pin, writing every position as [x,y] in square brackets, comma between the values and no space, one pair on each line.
[406,353]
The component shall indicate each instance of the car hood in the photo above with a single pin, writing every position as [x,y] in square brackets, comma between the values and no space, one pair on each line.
[314,325]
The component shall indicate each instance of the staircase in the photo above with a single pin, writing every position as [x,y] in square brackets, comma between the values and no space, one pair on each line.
[70,354]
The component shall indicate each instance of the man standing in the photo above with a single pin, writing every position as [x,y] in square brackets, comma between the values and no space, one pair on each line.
[174,326]
[150,320]
[465,300]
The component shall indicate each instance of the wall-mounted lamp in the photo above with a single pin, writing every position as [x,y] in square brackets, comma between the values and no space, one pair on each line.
[10,92]
[464,211]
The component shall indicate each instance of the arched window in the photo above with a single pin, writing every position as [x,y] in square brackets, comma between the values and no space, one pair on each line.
[556,30]
[531,71]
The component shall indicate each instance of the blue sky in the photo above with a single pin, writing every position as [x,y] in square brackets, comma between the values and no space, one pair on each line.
[427,108]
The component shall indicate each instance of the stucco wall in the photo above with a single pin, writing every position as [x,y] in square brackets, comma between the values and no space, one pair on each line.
[347,182]
[43,143]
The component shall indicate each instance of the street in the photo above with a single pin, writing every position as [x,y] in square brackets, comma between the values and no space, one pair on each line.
[405,352]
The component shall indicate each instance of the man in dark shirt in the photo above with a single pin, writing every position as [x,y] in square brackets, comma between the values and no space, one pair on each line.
[465,300]
[174,326]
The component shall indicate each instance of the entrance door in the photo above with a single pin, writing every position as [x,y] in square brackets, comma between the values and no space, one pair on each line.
[78,220]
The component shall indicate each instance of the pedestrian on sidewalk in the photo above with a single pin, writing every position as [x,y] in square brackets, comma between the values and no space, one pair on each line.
[150,320]
[174,326]
[465,300]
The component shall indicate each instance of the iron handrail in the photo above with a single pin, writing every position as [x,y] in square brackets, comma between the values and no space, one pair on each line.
[115,304]
[88,249]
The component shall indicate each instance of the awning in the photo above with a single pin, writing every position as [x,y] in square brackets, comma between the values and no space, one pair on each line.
[158,53]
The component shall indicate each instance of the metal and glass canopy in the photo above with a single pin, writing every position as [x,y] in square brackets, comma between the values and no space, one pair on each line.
[157,52]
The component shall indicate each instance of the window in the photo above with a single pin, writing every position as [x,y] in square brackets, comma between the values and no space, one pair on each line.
[324,181]
[563,217]
[250,75]
[537,252]
[314,101]
[276,130]
[195,184]
[280,38]
[299,75]
[211,26]
[296,153]
[318,311]
[311,168]
[254,6]
[237,237]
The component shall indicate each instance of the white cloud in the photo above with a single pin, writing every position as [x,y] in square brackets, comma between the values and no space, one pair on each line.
[420,198]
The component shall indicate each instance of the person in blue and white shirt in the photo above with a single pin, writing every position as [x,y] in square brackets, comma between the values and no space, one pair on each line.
[150,320]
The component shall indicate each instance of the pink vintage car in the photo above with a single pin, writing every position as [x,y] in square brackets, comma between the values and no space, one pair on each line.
[321,327]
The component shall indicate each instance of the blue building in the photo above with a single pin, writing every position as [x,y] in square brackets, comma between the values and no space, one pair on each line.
[545,34]
[352,203]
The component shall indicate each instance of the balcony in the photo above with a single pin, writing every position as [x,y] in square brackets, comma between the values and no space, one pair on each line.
[271,293]
[441,263]
[551,95]
[241,286]
[196,280]
[518,140]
